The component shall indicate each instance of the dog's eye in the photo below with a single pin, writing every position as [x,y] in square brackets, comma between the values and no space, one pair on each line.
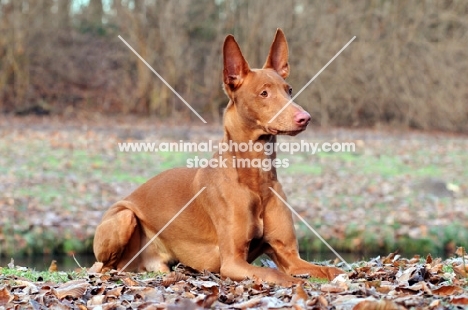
[290,91]
[264,94]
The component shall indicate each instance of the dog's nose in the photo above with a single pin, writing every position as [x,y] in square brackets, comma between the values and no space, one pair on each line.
[302,118]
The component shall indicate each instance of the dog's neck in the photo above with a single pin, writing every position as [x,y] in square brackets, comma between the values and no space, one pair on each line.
[238,132]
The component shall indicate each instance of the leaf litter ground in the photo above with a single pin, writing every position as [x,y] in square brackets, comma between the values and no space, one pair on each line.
[391,282]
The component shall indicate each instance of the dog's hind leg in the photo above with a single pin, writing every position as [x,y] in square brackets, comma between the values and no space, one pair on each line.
[117,233]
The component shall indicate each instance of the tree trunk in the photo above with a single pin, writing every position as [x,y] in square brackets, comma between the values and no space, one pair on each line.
[96,12]
[64,14]
[18,56]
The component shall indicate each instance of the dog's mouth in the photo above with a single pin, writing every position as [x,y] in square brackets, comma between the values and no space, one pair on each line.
[275,131]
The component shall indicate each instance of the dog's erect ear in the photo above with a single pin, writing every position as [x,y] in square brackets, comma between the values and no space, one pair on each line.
[235,66]
[278,57]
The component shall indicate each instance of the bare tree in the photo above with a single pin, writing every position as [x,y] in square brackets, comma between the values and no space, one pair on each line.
[64,14]
[96,12]
[404,67]
[18,56]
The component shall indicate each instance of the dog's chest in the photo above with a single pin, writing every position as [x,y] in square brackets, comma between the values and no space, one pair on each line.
[257,211]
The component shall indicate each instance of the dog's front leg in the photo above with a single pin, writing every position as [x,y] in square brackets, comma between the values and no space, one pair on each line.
[236,226]
[281,236]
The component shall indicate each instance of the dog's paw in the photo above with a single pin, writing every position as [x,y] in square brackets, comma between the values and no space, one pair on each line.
[331,272]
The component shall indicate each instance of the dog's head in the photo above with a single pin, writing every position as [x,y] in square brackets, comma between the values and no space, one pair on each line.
[261,98]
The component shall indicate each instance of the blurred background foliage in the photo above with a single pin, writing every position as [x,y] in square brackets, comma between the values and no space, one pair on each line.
[407,67]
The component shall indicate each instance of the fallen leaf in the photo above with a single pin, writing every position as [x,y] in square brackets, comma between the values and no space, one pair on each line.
[4,295]
[447,290]
[300,294]
[460,300]
[73,289]
[96,267]
[329,288]
[117,291]
[96,300]
[323,301]
[429,259]
[460,251]
[172,278]
[130,282]
[461,270]
[378,304]
[53,266]
[29,287]
[248,304]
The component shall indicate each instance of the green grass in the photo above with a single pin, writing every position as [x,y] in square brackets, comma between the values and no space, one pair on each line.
[317,280]
[386,240]
[13,274]
[447,268]
[44,175]
[386,166]
[111,168]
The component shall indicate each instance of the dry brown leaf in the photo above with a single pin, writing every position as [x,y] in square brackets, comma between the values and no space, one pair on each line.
[428,259]
[435,303]
[208,300]
[323,301]
[74,289]
[172,278]
[29,287]
[53,266]
[460,270]
[147,293]
[342,281]
[239,290]
[373,283]
[420,286]
[364,269]
[389,258]
[115,291]
[447,290]
[248,304]
[331,288]
[96,300]
[460,251]
[300,294]
[405,275]
[152,306]
[205,284]
[377,304]
[385,289]
[436,268]
[312,301]
[4,295]
[436,261]
[415,259]
[130,282]
[104,277]
[460,300]
[96,268]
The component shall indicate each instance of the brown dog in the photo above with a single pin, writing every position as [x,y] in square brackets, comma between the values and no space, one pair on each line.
[237,217]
